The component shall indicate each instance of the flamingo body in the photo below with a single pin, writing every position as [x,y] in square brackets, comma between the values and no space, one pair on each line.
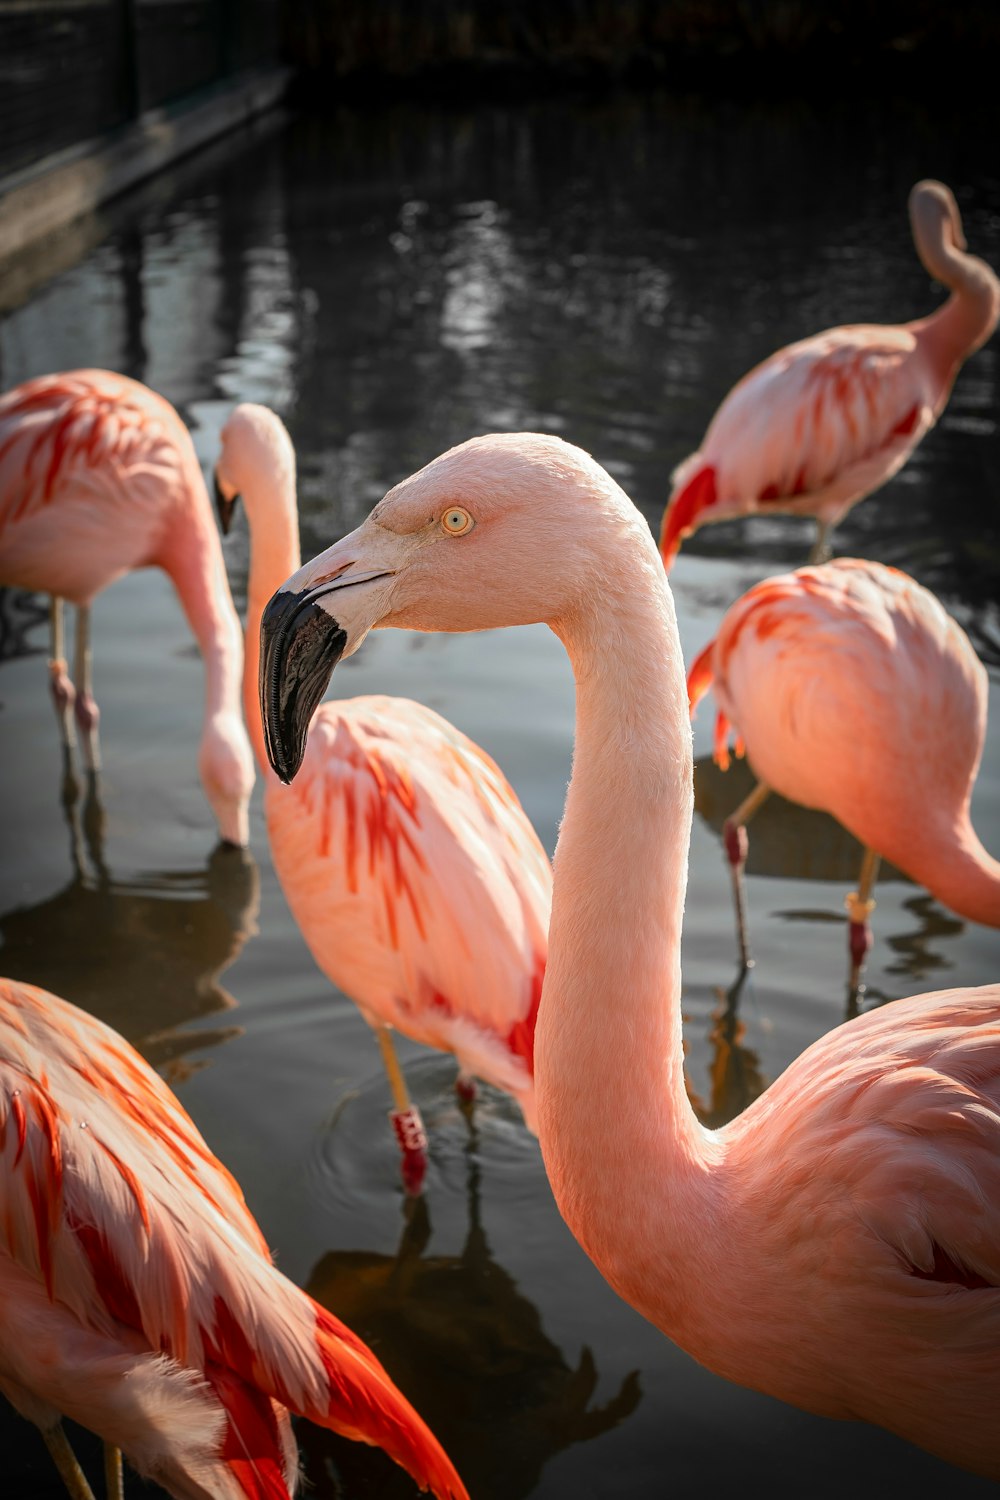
[855,692]
[137,1295]
[98,476]
[826,421]
[415,877]
[838,1244]
[418,883]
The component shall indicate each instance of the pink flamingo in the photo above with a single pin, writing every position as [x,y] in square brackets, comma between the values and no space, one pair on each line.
[98,475]
[137,1295]
[854,692]
[409,865]
[824,422]
[837,1245]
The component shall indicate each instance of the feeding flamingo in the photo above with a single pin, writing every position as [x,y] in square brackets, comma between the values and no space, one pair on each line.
[137,1295]
[98,476]
[855,692]
[837,1245]
[408,863]
[825,421]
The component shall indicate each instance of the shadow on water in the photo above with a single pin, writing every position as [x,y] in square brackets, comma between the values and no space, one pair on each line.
[503,1399]
[144,956]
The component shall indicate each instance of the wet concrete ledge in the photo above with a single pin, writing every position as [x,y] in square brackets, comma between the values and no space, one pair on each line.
[53,192]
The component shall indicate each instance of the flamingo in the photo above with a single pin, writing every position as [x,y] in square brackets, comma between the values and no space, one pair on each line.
[837,1245]
[98,475]
[825,421]
[416,879]
[856,693]
[138,1295]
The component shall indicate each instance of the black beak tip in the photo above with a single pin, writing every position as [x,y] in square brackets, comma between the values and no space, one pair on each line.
[300,646]
[224,508]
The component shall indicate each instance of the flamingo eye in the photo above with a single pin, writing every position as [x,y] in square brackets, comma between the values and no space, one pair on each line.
[457,521]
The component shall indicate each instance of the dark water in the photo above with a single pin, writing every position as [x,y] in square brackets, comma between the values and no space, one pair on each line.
[392,283]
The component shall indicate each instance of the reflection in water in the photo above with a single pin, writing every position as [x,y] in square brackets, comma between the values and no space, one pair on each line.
[734,1074]
[146,956]
[455,1332]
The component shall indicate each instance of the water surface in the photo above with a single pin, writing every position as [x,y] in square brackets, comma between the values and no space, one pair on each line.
[393,282]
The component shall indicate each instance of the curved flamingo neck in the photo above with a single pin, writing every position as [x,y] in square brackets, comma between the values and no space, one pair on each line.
[270,503]
[192,557]
[612,1104]
[962,874]
[968,318]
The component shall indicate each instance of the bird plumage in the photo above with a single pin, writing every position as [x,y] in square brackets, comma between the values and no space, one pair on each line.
[855,692]
[99,476]
[836,1244]
[138,1294]
[827,420]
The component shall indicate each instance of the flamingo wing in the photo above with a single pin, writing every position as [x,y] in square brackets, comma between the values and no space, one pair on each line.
[113,1203]
[839,679]
[417,880]
[812,429]
[902,1106]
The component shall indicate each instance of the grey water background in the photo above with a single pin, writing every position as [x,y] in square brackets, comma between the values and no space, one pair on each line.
[391,282]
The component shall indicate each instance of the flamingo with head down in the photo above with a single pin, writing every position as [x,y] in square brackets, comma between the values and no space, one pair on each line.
[408,862]
[837,1245]
[853,691]
[98,476]
[137,1295]
[828,420]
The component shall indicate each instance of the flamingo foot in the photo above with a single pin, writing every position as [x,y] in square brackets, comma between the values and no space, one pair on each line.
[64,697]
[412,1138]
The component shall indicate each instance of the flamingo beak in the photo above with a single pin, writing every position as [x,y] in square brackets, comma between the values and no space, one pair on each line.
[301,642]
[224,507]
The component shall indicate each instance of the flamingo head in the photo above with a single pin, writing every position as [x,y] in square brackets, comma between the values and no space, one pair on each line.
[225,764]
[256,457]
[506,529]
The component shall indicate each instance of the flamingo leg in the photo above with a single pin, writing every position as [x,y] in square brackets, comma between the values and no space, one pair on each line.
[66,1462]
[60,684]
[821,549]
[860,905]
[734,837]
[114,1483]
[406,1121]
[87,712]
[465,1088]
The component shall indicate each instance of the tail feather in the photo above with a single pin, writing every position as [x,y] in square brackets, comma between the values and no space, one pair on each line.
[694,491]
[701,676]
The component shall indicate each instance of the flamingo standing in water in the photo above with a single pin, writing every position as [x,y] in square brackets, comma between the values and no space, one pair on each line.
[824,422]
[837,1245]
[98,475]
[854,692]
[409,865]
[137,1295]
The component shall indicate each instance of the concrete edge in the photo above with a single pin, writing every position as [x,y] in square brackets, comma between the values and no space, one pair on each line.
[71,183]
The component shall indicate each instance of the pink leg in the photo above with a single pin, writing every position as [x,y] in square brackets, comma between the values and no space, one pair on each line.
[87,712]
[860,905]
[60,683]
[405,1118]
[737,844]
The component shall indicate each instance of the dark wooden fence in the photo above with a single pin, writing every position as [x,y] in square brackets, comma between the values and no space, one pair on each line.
[71,70]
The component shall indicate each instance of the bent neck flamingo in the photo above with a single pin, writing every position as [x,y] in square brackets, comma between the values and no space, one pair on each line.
[98,476]
[854,692]
[824,422]
[838,1244]
[409,865]
[138,1296]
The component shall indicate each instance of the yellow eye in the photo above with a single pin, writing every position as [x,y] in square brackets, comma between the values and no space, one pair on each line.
[457,521]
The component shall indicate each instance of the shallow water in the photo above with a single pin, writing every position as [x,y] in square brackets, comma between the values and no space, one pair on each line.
[391,283]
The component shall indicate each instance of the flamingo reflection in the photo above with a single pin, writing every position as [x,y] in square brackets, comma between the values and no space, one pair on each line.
[464,1317]
[156,944]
